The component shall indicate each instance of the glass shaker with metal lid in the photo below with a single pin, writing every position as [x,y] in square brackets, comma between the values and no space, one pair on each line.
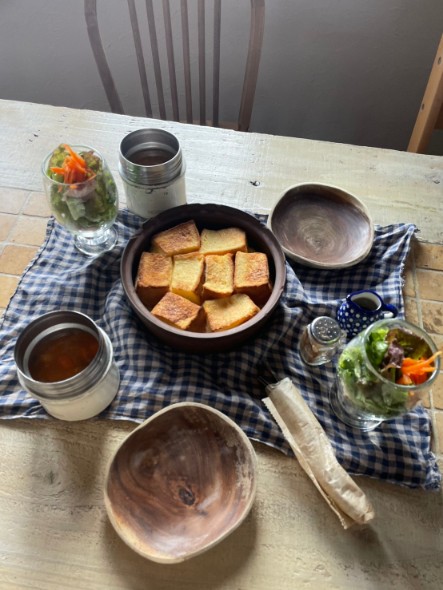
[320,340]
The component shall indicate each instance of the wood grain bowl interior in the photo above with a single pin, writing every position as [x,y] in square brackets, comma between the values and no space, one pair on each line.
[181,482]
[322,226]
[208,216]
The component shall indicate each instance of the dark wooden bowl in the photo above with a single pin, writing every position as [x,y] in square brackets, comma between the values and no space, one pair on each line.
[212,217]
[322,226]
[181,482]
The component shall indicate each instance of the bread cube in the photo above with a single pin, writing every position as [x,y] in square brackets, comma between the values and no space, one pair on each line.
[187,276]
[229,312]
[219,276]
[223,241]
[180,239]
[176,311]
[153,278]
[251,276]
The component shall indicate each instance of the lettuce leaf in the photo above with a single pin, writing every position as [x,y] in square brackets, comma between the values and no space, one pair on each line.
[377,346]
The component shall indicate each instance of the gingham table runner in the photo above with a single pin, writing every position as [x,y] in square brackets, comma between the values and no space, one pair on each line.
[154,376]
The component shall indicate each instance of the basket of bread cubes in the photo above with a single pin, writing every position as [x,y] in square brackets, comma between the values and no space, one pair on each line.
[203,278]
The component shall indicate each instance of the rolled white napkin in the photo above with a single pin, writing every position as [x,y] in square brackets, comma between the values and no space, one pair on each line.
[314,452]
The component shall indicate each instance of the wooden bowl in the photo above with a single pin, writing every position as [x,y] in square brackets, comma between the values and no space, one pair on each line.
[322,226]
[208,216]
[180,482]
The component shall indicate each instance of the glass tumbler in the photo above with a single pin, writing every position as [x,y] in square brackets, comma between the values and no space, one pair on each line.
[87,209]
[364,397]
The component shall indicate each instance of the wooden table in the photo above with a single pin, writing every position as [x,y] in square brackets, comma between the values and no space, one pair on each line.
[54,531]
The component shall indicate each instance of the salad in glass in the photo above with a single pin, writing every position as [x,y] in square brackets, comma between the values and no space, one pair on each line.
[384,372]
[82,195]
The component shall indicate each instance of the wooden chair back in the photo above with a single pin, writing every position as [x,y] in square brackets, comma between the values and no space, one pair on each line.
[430,115]
[167,48]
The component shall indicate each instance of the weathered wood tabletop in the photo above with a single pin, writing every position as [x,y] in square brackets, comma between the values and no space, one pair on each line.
[248,170]
[54,531]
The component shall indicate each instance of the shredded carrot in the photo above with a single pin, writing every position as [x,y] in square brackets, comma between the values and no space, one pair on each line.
[58,170]
[415,371]
[74,168]
[408,361]
[74,164]
[76,157]
[420,365]
[404,380]
[419,378]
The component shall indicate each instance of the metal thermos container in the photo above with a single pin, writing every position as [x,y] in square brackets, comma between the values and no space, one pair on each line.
[86,393]
[152,168]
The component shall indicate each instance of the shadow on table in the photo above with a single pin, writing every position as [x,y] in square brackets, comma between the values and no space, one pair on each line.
[219,567]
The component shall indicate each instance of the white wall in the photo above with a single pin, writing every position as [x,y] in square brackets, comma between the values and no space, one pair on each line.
[350,71]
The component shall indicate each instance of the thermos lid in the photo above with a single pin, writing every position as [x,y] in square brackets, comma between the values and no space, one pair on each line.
[156,141]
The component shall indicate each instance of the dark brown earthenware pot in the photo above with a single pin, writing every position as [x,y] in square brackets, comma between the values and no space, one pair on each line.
[208,216]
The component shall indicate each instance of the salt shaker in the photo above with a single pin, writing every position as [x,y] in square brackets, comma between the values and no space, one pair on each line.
[320,340]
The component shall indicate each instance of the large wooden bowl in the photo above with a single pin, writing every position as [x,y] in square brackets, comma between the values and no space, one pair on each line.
[181,482]
[322,226]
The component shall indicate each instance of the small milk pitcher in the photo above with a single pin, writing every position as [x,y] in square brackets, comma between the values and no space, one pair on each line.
[362,308]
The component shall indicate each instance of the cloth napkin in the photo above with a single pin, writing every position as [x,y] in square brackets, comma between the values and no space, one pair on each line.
[314,452]
[154,375]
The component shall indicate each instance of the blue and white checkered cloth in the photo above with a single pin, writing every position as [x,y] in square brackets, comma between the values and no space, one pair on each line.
[154,376]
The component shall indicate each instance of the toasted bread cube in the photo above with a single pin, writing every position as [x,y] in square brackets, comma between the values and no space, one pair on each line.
[223,241]
[180,239]
[153,278]
[229,312]
[187,276]
[251,276]
[176,311]
[219,276]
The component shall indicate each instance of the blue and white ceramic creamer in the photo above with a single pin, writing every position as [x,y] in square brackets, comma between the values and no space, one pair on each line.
[362,308]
